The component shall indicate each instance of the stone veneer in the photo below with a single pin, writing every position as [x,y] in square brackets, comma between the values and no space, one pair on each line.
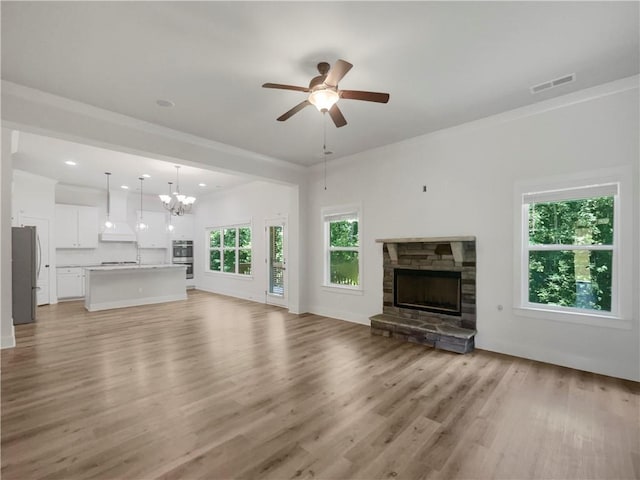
[439,330]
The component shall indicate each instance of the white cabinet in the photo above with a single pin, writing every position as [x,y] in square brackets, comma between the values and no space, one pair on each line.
[70,282]
[88,227]
[66,226]
[155,235]
[76,226]
[182,227]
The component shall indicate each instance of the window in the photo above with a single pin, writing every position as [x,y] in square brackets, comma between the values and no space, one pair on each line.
[342,249]
[569,249]
[230,249]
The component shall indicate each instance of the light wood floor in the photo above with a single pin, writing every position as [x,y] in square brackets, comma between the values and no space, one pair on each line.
[215,387]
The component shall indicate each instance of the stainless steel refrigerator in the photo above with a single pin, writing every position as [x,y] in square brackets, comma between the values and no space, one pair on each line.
[25,274]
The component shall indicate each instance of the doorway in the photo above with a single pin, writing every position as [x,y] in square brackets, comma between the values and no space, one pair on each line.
[276,236]
[42,256]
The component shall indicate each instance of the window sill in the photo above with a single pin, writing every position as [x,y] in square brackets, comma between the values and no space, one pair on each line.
[595,320]
[228,275]
[345,290]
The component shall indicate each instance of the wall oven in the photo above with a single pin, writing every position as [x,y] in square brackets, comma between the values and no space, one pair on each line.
[183,249]
[183,255]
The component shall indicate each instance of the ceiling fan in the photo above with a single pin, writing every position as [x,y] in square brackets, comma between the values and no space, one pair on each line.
[324,92]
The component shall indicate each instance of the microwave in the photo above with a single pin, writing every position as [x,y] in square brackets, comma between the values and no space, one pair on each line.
[183,249]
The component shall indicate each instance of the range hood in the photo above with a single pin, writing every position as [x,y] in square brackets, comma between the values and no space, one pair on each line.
[121,231]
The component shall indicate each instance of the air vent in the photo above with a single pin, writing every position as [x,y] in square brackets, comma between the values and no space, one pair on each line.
[556,82]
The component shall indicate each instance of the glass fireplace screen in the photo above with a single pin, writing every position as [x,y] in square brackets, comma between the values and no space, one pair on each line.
[429,290]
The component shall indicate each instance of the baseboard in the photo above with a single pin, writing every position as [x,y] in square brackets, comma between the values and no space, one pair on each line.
[295,309]
[341,315]
[232,293]
[610,369]
[8,341]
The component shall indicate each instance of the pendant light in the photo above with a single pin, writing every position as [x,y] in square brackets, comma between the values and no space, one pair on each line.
[108,224]
[166,200]
[141,225]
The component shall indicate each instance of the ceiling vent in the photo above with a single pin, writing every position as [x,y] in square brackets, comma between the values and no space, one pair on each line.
[556,82]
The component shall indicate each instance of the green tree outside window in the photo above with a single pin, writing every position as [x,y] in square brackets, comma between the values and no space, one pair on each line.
[344,261]
[230,250]
[571,253]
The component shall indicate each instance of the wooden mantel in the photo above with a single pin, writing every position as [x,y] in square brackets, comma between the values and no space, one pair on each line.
[455,242]
[426,239]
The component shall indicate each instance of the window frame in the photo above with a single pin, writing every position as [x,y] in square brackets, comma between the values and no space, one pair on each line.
[332,214]
[621,314]
[567,194]
[222,248]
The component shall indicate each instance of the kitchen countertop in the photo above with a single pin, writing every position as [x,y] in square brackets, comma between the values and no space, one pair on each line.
[102,268]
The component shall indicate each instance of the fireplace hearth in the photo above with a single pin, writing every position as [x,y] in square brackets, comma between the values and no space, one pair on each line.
[429,292]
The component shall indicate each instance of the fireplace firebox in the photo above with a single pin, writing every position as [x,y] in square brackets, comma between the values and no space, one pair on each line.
[428,290]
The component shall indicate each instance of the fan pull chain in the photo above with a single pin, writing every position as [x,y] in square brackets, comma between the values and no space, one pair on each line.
[324,145]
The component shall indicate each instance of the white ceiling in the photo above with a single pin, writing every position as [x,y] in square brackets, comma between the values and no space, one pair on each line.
[47,156]
[444,63]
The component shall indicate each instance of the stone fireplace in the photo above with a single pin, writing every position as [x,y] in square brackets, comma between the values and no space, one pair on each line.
[429,292]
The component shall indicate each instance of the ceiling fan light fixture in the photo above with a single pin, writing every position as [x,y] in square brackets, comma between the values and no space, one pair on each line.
[323,98]
[324,92]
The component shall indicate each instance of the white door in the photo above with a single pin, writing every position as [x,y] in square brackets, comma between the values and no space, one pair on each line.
[276,237]
[42,256]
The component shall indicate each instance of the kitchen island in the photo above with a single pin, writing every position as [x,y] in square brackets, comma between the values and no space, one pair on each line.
[118,286]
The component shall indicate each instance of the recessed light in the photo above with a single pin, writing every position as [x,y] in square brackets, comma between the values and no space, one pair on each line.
[202,184]
[124,187]
[146,175]
[165,103]
[70,162]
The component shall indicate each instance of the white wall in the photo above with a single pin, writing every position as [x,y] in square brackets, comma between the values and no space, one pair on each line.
[470,172]
[252,203]
[7,337]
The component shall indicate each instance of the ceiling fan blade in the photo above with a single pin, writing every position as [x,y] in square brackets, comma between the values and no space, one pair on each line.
[366,96]
[293,111]
[336,116]
[285,87]
[337,72]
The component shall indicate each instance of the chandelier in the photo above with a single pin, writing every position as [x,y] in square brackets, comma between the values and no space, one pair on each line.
[175,202]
